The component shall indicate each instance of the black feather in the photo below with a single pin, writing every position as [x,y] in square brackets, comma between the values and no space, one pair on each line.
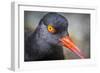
[42,45]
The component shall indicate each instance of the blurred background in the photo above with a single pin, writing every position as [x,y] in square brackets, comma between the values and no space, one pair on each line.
[79,30]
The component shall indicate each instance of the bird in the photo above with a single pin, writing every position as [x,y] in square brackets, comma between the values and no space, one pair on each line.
[48,39]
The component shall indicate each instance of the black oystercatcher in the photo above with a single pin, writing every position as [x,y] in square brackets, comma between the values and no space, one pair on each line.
[46,42]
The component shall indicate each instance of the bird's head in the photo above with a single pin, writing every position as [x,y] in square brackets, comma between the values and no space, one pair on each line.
[54,31]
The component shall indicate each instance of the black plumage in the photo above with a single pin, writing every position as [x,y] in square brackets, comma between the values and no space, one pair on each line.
[43,45]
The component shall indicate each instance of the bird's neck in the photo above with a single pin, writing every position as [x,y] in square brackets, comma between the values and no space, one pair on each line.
[39,37]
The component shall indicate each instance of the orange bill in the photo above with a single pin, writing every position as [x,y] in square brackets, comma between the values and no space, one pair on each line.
[68,43]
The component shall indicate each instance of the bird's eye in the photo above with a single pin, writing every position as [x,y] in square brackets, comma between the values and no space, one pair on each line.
[51,29]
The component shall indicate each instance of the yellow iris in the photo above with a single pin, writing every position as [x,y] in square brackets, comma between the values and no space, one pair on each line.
[51,29]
